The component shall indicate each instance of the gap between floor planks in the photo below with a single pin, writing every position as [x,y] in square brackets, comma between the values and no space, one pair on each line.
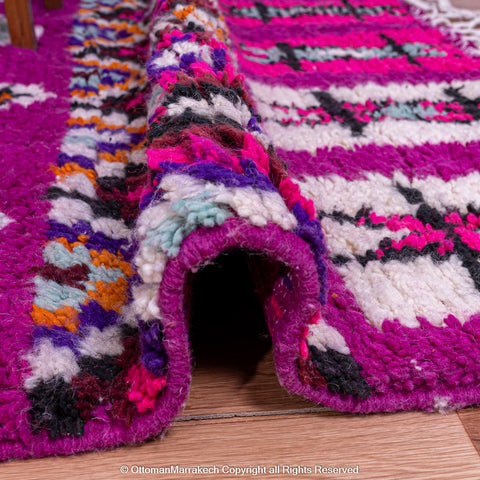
[399,446]
[238,421]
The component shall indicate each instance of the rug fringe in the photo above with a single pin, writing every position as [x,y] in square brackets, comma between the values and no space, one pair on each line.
[461,23]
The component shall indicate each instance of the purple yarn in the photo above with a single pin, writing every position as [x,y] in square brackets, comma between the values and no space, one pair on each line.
[59,336]
[112,147]
[153,356]
[122,34]
[108,80]
[135,138]
[150,197]
[99,241]
[154,70]
[311,232]
[451,160]
[59,230]
[75,42]
[300,214]
[82,228]
[219,59]
[84,162]
[252,125]
[217,174]
[260,180]
[186,60]
[186,37]
[92,314]
[85,87]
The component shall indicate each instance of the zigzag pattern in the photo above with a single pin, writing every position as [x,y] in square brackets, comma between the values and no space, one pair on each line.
[201,163]
[85,354]
[206,155]
[379,122]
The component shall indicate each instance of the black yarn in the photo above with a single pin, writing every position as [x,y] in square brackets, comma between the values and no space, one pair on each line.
[263,12]
[340,260]
[431,216]
[184,121]
[398,48]
[53,407]
[135,169]
[341,372]
[289,56]
[352,10]
[112,183]
[412,195]
[99,208]
[470,106]
[105,370]
[341,217]
[205,91]
[192,27]
[336,110]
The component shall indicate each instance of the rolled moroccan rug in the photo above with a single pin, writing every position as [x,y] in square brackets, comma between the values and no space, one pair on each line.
[335,143]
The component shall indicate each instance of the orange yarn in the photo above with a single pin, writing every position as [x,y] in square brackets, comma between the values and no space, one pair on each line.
[66,317]
[110,296]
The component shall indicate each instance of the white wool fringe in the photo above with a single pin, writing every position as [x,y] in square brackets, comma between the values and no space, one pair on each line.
[461,21]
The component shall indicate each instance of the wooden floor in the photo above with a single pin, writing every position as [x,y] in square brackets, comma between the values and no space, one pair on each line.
[235,418]
[238,415]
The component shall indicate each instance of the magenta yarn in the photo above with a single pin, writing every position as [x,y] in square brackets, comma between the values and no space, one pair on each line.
[334,143]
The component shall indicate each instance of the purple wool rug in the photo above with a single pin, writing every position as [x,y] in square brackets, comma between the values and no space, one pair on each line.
[334,144]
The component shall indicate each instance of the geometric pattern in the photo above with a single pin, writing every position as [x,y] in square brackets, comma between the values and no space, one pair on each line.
[376,113]
[23,95]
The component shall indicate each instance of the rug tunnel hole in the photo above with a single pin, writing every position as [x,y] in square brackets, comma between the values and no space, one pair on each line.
[227,322]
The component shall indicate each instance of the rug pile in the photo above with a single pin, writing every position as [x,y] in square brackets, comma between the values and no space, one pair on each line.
[334,142]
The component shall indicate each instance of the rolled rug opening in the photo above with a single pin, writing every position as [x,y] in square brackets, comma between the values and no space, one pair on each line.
[216,186]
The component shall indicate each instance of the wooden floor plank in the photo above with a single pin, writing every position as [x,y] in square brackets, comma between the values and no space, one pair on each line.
[399,446]
[470,4]
[224,384]
[470,418]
